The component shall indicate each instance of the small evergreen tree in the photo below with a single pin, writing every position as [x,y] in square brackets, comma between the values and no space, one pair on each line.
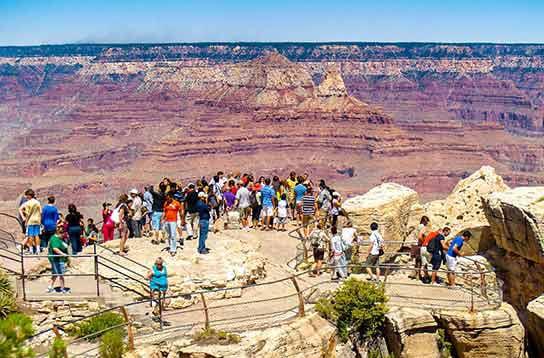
[111,344]
[14,330]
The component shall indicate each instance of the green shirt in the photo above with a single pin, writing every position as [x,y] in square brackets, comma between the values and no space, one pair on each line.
[56,242]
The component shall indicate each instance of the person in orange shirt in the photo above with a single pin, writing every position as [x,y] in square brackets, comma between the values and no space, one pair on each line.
[170,218]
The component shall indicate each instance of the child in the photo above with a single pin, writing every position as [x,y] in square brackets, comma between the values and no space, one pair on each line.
[91,232]
[282,212]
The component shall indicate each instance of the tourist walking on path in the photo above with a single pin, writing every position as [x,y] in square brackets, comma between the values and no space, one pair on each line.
[243,204]
[256,205]
[324,202]
[156,216]
[158,283]
[291,182]
[436,248]
[191,217]
[300,189]
[421,232]
[454,251]
[120,218]
[31,213]
[320,243]
[75,225]
[309,208]
[50,217]
[267,197]
[108,226]
[374,252]
[135,221]
[204,223]
[349,236]
[57,255]
[170,219]
[338,256]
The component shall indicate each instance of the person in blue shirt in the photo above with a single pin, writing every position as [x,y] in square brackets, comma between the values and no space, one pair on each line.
[203,211]
[300,190]
[454,251]
[158,282]
[267,198]
[50,217]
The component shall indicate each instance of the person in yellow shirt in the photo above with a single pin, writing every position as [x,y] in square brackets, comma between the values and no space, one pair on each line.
[291,183]
[31,212]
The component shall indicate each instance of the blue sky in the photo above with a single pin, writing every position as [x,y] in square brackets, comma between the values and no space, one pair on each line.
[28,22]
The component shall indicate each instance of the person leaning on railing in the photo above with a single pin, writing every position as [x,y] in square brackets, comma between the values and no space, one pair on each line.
[158,283]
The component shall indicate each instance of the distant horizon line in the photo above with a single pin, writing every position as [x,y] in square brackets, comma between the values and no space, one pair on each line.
[250,43]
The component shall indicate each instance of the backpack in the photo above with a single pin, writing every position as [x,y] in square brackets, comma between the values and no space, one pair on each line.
[432,246]
[253,199]
[115,217]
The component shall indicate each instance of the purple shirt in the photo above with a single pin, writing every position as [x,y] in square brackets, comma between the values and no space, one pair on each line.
[229,198]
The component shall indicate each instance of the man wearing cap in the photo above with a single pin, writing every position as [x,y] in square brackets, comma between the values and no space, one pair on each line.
[204,222]
[136,220]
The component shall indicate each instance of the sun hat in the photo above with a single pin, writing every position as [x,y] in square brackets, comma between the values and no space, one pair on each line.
[134,191]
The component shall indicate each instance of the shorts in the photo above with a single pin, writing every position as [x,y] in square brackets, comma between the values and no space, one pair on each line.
[282,221]
[299,207]
[292,204]
[436,262]
[451,263]
[373,260]
[33,230]
[58,268]
[425,256]
[156,220]
[244,213]
[319,254]
[306,219]
[267,211]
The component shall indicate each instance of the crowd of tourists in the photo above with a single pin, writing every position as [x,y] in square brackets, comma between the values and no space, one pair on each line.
[174,212]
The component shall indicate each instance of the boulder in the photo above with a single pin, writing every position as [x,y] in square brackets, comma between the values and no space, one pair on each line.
[535,324]
[463,208]
[411,332]
[490,333]
[516,218]
[389,205]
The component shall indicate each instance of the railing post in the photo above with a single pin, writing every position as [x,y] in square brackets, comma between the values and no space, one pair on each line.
[23,272]
[206,313]
[160,310]
[301,312]
[471,293]
[57,334]
[130,333]
[96,271]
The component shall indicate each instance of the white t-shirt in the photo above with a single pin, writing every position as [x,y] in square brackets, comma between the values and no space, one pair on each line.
[282,209]
[375,240]
[137,207]
[242,195]
[348,234]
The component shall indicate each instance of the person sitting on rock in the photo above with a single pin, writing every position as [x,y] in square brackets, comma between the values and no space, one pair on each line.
[158,283]
[374,252]
[436,248]
[454,251]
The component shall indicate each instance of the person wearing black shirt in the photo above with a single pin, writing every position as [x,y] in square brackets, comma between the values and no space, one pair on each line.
[158,208]
[75,224]
[191,217]
[203,211]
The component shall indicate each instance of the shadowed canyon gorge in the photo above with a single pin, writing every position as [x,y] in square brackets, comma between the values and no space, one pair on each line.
[87,120]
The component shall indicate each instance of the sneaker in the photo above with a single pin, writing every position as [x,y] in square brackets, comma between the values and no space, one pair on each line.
[189,238]
[50,290]
[435,284]
[66,290]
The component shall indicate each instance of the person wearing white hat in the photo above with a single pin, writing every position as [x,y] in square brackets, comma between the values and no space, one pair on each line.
[136,220]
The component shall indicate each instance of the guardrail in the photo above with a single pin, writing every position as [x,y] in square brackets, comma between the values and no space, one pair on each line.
[296,304]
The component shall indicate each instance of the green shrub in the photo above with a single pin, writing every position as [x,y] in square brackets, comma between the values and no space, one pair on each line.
[444,346]
[356,306]
[94,326]
[57,348]
[5,284]
[212,336]
[14,330]
[7,297]
[112,345]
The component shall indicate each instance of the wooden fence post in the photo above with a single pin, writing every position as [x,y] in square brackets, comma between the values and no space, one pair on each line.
[130,333]
[301,312]
[206,313]
[57,334]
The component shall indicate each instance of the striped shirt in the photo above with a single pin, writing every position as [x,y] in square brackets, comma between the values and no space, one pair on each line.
[308,205]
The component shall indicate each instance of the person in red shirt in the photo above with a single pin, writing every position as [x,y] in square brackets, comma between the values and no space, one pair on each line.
[172,209]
